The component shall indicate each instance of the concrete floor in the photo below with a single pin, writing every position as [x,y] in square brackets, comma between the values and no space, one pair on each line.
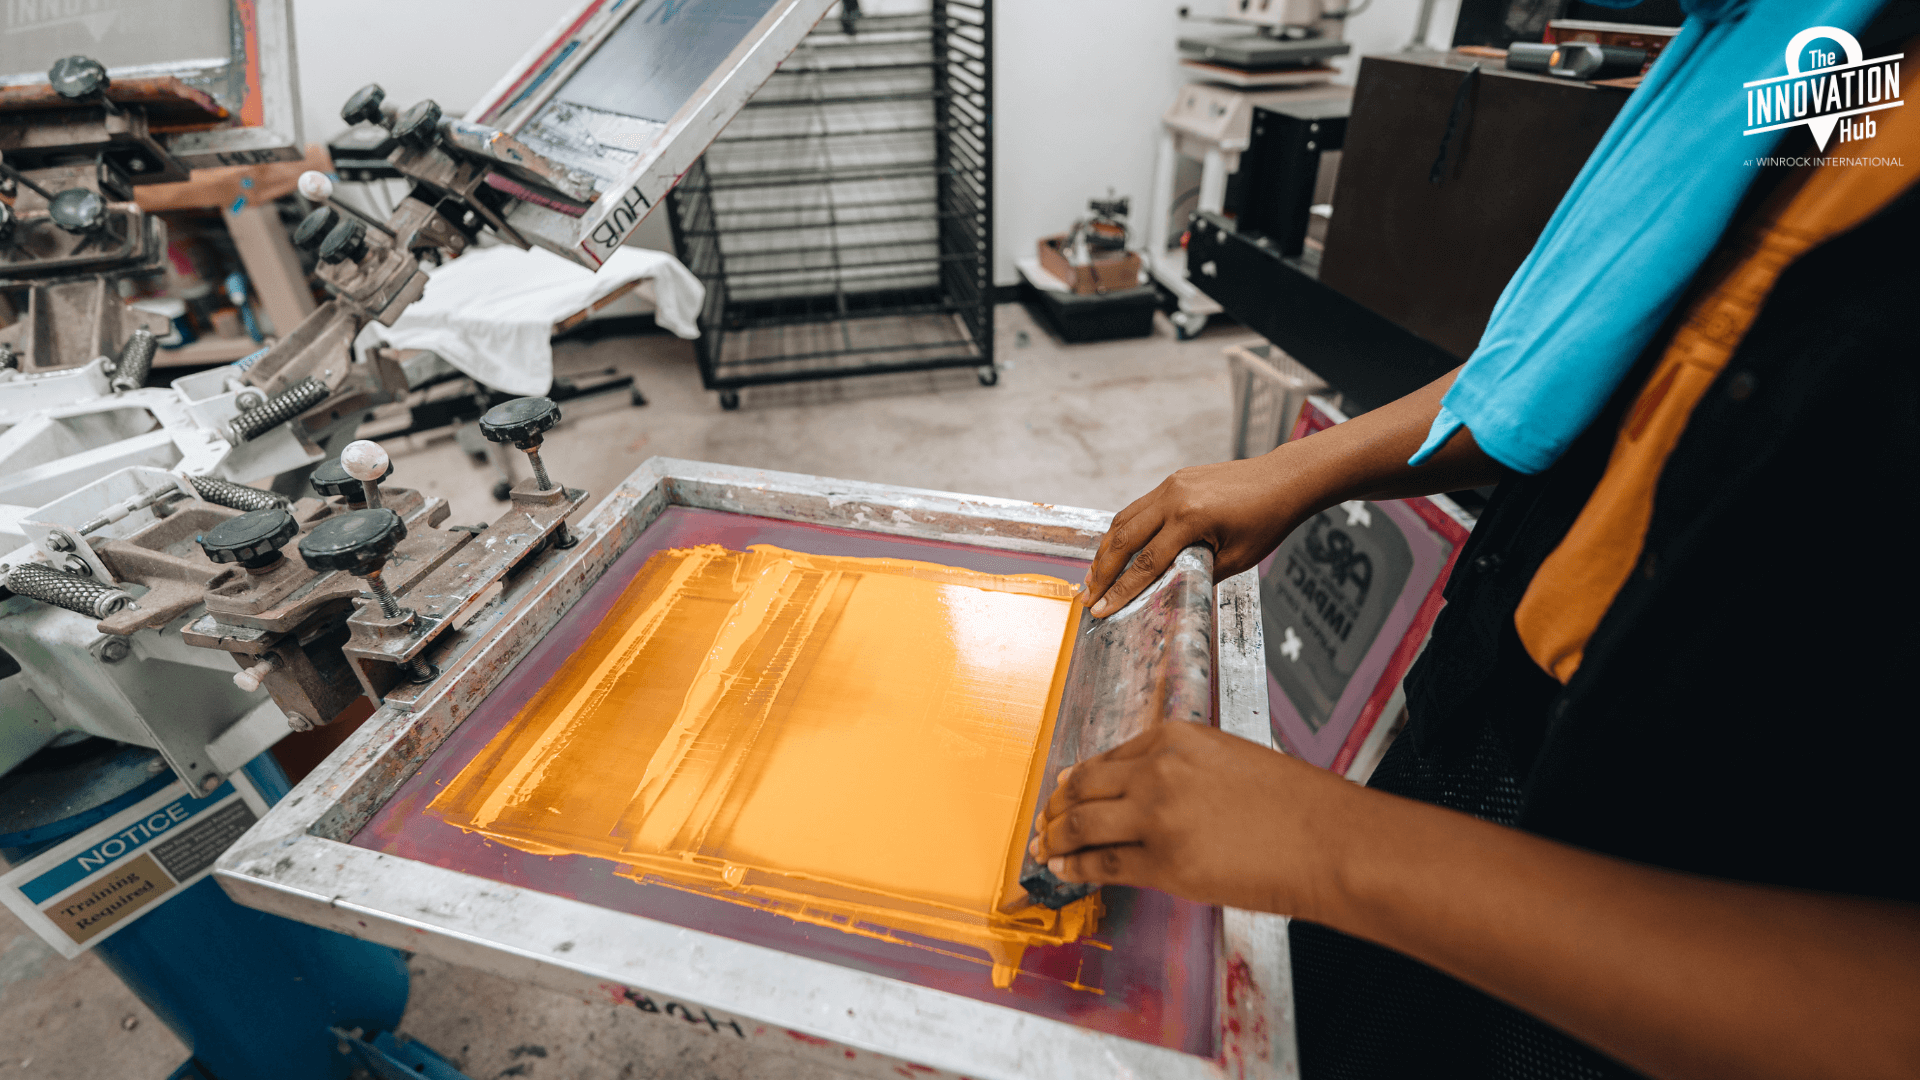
[1086,425]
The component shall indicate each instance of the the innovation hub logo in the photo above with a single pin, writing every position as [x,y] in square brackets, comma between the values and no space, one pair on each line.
[1825,88]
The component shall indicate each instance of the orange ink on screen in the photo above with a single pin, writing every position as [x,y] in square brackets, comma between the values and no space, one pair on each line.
[851,743]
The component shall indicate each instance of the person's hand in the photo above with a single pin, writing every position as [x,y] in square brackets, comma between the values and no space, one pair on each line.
[1241,509]
[1192,811]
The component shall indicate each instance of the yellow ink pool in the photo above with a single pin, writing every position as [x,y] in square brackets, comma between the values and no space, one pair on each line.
[850,742]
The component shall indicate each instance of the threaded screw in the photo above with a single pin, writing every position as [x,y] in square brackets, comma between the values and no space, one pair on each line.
[388,602]
[539,469]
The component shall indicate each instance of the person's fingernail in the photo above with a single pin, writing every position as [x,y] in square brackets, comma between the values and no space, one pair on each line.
[1061,780]
[1033,849]
[1100,608]
[1057,864]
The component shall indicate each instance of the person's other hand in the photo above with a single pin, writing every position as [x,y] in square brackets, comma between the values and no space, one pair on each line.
[1240,509]
[1192,811]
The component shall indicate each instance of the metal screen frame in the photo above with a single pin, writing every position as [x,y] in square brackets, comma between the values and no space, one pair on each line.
[299,862]
[594,237]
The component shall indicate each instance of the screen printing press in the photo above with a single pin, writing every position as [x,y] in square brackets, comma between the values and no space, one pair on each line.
[366,845]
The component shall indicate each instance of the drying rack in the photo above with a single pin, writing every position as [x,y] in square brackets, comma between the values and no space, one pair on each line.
[843,222]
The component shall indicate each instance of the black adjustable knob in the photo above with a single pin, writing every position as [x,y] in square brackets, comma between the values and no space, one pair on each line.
[347,242]
[78,210]
[77,77]
[364,106]
[520,421]
[418,125]
[334,481]
[357,542]
[314,228]
[7,221]
[253,539]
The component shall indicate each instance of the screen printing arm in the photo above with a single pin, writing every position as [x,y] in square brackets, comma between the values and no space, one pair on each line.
[1677,975]
[1243,509]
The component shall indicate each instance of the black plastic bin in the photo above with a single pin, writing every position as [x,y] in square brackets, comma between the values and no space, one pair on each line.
[1076,317]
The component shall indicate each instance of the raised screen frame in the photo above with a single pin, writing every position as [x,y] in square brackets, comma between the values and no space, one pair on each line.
[593,238]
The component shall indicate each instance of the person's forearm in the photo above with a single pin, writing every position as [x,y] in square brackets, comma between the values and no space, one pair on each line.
[1677,975]
[1366,457]
[1243,509]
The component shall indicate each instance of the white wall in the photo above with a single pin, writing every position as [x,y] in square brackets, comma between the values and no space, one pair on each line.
[1079,85]
[452,51]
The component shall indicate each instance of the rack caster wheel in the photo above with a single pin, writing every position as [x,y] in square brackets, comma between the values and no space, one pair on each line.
[502,491]
[988,376]
[729,400]
[636,397]
[1187,326]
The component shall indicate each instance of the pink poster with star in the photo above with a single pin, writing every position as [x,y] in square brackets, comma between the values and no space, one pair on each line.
[1346,602]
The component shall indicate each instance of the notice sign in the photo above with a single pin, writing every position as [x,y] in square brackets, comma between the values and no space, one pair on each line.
[90,885]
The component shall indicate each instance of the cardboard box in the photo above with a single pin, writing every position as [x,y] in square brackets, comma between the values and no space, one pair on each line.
[1109,271]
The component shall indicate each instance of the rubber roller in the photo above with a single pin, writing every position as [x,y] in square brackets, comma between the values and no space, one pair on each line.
[278,409]
[235,496]
[136,360]
[70,591]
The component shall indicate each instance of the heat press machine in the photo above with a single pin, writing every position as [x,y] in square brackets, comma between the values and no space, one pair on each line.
[1210,125]
[1287,36]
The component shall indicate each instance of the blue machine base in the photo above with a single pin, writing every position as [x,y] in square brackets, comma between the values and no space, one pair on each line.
[390,1057]
[255,996]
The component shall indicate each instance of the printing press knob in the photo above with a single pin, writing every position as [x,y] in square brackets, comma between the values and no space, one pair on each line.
[334,481]
[347,241]
[77,77]
[253,539]
[418,126]
[78,210]
[357,542]
[314,228]
[520,421]
[367,463]
[315,186]
[364,106]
